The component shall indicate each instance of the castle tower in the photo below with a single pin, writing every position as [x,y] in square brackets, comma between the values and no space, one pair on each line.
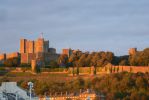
[132,51]
[22,45]
[36,50]
[39,45]
[67,52]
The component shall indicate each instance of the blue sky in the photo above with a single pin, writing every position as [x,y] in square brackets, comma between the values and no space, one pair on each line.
[88,25]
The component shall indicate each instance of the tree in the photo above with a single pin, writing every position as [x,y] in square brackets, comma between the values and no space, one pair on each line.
[63,60]
[53,64]
[81,61]
[13,62]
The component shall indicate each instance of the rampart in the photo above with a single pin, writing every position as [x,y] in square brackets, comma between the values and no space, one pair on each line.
[133,69]
[110,69]
[12,55]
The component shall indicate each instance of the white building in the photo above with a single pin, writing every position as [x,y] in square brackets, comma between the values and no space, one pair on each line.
[10,91]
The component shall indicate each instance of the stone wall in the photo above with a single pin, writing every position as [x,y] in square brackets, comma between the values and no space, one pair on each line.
[133,69]
[2,58]
[12,55]
[27,57]
[111,69]
[67,52]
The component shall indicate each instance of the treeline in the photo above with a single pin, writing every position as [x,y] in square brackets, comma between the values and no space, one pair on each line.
[141,58]
[97,59]
[79,59]
[120,86]
[100,59]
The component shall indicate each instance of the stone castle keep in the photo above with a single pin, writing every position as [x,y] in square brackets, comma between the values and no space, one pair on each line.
[32,50]
[37,50]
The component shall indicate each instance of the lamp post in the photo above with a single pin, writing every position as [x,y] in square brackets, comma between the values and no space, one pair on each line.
[16,95]
[30,84]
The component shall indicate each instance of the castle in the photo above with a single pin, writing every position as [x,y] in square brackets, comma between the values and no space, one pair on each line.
[37,50]
[32,50]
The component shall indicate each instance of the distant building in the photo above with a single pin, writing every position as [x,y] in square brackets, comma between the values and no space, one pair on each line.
[67,52]
[9,91]
[37,50]
[2,58]
[84,95]
[132,51]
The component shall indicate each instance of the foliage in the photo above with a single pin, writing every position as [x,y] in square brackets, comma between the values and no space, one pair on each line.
[141,58]
[100,59]
[63,60]
[119,86]
[25,65]
[53,64]
[13,62]
[97,59]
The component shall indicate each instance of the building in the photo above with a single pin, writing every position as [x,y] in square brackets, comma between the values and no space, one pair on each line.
[67,52]
[37,50]
[10,91]
[84,95]
[7,56]
[132,51]
[2,58]
[12,55]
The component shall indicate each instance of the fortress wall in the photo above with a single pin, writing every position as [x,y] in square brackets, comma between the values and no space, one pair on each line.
[2,56]
[12,55]
[52,50]
[141,69]
[27,57]
[49,57]
[133,69]
[31,56]
[24,58]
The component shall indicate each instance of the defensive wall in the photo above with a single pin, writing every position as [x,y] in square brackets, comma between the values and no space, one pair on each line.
[12,55]
[2,58]
[5,56]
[109,69]
[133,69]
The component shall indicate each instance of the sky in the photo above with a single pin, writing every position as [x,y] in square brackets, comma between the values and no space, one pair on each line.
[88,25]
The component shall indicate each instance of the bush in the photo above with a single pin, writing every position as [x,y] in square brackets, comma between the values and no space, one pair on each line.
[13,62]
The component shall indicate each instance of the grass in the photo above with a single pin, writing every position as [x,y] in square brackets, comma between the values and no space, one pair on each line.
[18,76]
[47,77]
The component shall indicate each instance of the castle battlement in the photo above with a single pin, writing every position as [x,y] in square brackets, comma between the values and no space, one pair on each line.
[36,50]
